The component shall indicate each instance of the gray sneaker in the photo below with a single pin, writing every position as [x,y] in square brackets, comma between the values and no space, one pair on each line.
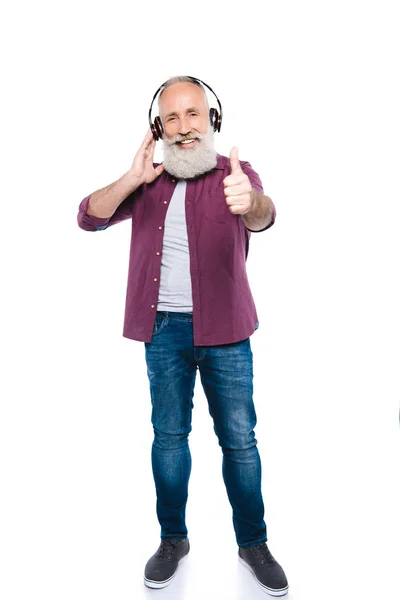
[161,567]
[267,572]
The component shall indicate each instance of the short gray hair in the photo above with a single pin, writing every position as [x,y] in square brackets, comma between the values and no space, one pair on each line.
[181,79]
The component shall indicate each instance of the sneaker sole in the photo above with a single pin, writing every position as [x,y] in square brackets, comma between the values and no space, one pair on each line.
[270,591]
[161,584]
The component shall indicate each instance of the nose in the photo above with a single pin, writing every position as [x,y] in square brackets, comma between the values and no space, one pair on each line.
[184,126]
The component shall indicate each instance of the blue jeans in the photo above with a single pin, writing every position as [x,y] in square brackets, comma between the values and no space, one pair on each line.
[226,373]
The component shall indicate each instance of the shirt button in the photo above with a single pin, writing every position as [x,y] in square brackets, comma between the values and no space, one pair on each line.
[158,254]
[165,202]
[152,306]
[173,181]
[160,227]
[155,278]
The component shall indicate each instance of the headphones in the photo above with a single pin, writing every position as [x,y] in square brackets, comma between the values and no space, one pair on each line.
[215,117]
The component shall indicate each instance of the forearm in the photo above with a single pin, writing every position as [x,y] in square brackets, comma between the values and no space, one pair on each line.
[103,203]
[261,212]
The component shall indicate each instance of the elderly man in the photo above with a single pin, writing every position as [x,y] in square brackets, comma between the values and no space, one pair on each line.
[188,299]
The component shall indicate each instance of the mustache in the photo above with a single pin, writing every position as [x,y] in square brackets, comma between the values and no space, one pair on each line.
[182,138]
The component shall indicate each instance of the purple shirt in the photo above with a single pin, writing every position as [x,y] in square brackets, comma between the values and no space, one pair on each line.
[223,308]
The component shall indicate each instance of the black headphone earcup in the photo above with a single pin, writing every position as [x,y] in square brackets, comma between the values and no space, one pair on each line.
[159,128]
[214,118]
[154,132]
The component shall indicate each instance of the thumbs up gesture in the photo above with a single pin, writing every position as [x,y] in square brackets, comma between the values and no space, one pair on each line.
[237,187]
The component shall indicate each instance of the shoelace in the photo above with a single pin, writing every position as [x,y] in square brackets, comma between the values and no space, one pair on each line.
[166,548]
[262,552]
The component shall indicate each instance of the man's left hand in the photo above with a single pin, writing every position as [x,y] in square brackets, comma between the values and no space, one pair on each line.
[237,187]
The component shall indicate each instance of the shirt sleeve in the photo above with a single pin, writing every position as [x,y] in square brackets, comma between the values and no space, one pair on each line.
[92,223]
[257,185]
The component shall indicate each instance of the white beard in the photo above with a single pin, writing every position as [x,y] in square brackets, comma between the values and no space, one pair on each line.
[185,163]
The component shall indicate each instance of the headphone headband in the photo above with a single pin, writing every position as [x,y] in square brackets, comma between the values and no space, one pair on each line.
[216,119]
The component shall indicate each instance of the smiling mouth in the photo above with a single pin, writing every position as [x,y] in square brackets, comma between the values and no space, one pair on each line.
[187,143]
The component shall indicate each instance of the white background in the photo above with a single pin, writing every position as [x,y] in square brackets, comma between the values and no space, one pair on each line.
[310,96]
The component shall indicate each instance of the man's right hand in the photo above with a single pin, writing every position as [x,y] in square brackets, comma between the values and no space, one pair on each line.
[142,167]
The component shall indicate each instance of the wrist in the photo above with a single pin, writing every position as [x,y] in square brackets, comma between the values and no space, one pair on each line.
[133,180]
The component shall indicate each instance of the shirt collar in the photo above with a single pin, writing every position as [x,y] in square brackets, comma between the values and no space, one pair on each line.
[221,162]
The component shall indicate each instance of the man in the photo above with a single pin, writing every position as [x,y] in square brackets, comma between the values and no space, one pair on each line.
[188,299]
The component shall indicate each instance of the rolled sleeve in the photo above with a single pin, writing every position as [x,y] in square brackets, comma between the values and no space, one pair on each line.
[90,222]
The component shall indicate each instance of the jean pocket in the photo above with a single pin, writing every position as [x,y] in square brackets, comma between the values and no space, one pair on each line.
[159,324]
